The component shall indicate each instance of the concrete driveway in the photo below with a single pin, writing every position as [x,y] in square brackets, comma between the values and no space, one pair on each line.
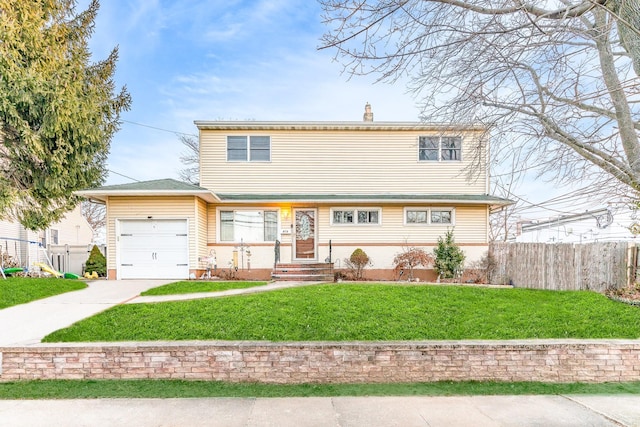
[27,324]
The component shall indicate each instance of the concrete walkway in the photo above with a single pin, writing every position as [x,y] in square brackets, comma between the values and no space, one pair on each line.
[408,411]
[199,295]
[27,324]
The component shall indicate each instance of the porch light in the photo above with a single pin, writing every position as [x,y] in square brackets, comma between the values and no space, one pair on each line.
[285,214]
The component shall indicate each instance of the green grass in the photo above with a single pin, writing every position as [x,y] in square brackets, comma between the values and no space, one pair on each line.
[370,312]
[93,389]
[20,290]
[188,287]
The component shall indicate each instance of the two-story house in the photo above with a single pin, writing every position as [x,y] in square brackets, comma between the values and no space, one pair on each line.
[304,193]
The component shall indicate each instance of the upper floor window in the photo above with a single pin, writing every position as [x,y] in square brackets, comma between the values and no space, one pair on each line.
[355,216]
[440,148]
[427,216]
[248,148]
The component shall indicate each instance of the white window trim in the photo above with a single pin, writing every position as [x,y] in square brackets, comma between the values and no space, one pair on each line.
[248,149]
[428,209]
[440,149]
[355,222]
[252,209]
[51,233]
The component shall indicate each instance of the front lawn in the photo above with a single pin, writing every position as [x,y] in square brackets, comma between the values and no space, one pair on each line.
[20,290]
[192,286]
[369,312]
[104,389]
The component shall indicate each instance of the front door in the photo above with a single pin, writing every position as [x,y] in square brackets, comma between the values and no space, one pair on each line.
[305,234]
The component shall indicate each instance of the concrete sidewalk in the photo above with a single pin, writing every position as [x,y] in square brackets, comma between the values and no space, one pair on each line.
[409,411]
[27,324]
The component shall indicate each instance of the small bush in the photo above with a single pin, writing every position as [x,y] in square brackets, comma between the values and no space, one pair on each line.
[449,257]
[410,259]
[356,263]
[96,262]
[480,271]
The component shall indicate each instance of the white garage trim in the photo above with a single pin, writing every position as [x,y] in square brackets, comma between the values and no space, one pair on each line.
[152,248]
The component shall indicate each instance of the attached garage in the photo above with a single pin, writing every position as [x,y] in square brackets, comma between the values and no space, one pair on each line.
[153,249]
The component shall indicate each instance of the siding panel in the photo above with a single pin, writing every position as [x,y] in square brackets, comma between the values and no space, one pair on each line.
[340,162]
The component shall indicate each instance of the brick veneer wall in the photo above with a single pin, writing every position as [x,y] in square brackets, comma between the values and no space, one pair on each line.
[330,362]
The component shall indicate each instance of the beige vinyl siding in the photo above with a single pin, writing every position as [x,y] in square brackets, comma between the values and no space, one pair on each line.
[470,227]
[201,223]
[211,224]
[158,208]
[383,241]
[340,162]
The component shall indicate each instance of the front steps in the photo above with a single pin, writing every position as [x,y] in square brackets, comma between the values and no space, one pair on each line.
[316,272]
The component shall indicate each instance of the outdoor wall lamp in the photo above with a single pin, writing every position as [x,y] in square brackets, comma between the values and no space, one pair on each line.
[285,214]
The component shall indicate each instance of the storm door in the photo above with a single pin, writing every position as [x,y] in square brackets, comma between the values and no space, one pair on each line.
[304,239]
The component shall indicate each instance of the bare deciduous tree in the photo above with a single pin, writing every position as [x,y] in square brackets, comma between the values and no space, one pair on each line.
[190,159]
[557,81]
[94,213]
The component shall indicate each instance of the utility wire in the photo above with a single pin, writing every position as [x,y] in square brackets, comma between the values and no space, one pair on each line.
[160,129]
[124,176]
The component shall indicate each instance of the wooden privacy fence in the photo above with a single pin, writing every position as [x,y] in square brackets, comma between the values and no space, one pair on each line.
[564,266]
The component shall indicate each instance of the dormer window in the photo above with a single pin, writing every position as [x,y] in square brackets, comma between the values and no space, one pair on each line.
[440,148]
[248,148]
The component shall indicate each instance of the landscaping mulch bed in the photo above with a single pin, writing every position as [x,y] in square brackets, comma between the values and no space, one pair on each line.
[628,295]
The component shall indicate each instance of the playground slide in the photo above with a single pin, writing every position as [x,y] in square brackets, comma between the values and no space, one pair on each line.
[47,269]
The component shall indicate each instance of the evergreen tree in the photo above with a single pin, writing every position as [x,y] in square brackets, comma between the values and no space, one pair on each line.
[96,262]
[58,110]
[449,257]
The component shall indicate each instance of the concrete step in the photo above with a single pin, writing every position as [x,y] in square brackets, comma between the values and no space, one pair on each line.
[322,272]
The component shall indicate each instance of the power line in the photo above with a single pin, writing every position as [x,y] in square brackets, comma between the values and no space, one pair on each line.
[175,132]
[124,176]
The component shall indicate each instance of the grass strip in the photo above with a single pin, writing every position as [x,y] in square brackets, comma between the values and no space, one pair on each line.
[20,290]
[188,287]
[93,389]
[371,312]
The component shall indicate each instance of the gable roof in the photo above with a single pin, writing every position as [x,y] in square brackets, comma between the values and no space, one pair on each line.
[158,187]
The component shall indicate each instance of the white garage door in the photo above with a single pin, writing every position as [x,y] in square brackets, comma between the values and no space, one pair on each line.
[153,249]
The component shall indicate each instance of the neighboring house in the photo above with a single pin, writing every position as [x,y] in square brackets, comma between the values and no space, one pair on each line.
[310,191]
[615,223]
[64,244]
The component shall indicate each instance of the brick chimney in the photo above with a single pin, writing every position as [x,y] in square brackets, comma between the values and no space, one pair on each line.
[368,115]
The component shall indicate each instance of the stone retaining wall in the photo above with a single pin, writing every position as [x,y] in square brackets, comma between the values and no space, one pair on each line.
[330,362]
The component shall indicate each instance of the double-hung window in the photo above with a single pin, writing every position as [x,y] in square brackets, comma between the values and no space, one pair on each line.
[248,148]
[362,216]
[440,148]
[252,226]
[426,216]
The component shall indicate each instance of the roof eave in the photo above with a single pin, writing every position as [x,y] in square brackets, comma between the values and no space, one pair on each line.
[368,200]
[205,195]
[335,125]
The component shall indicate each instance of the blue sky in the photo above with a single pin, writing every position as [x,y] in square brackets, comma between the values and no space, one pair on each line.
[236,60]
[223,59]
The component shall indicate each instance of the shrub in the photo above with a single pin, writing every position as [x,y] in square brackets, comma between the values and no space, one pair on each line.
[96,262]
[480,271]
[449,257]
[356,263]
[411,258]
